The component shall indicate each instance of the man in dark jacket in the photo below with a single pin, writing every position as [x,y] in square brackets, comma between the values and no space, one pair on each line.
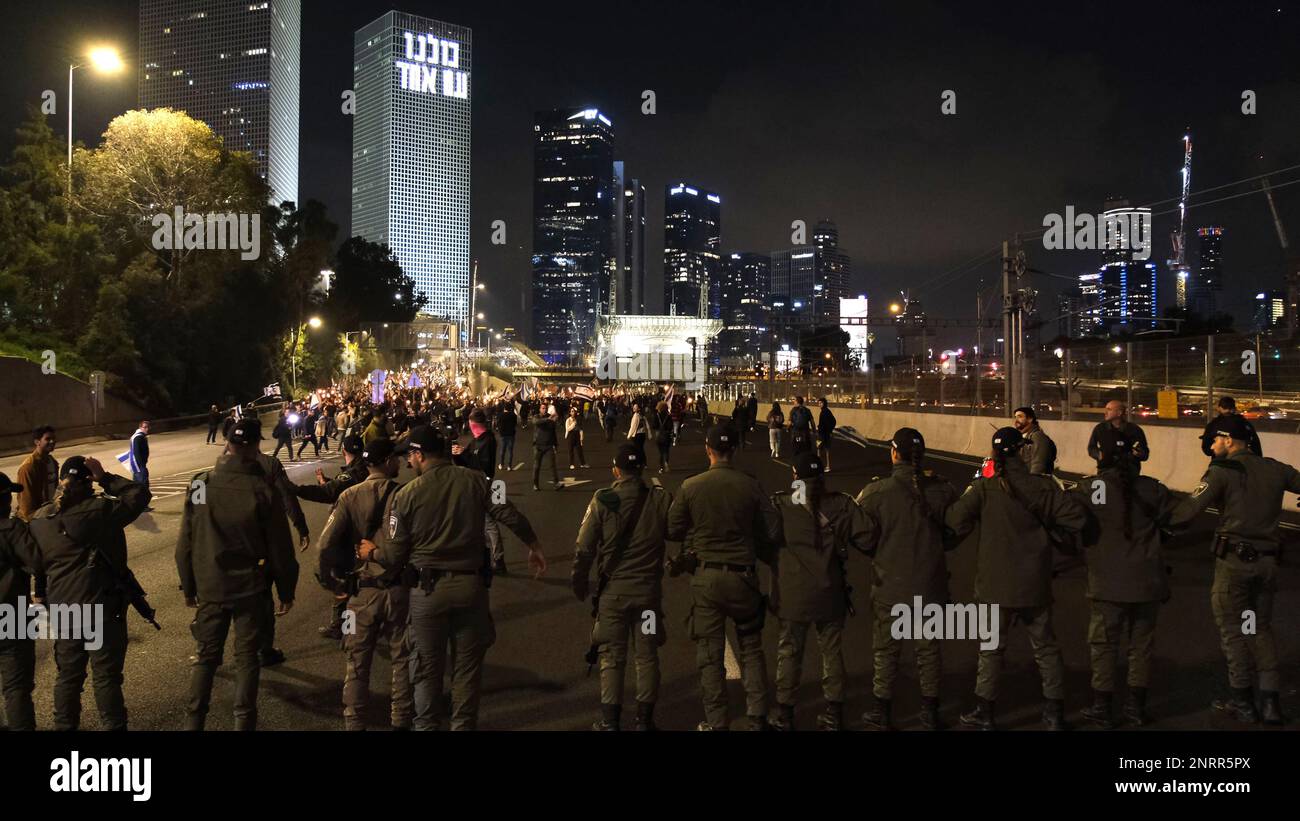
[544,444]
[1227,406]
[234,545]
[825,432]
[214,422]
[1116,417]
[68,530]
[507,423]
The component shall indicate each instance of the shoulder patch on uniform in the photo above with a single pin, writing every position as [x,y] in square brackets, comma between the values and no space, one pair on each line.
[1201,488]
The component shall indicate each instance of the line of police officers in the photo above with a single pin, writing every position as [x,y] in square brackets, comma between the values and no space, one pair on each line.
[415,575]
[1022,522]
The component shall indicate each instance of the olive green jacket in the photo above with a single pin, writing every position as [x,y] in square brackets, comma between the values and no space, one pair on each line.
[437,521]
[639,571]
[726,516]
[1125,568]
[1248,490]
[808,579]
[906,546]
[1014,567]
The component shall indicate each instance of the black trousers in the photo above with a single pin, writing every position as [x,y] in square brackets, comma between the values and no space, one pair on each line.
[17,680]
[72,659]
[252,616]
[538,455]
[212,435]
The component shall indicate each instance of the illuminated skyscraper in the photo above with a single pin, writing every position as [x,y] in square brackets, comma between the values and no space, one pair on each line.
[574,201]
[1127,285]
[812,278]
[410,152]
[692,256]
[745,283]
[1207,278]
[234,64]
[629,244]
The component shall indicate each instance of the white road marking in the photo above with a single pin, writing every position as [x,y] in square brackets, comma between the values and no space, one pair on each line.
[730,662]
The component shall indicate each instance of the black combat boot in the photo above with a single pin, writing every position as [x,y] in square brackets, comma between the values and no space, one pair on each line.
[878,717]
[1054,715]
[784,720]
[981,718]
[609,714]
[1100,713]
[1135,706]
[930,719]
[1271,708]
[759,724]
[1240,705]
[832,718]
[645,716]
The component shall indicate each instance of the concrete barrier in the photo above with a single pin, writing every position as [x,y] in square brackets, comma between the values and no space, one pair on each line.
[31,398]
[1176,458]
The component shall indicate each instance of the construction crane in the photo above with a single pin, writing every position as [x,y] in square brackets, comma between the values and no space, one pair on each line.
[1179,261]
[1292,261]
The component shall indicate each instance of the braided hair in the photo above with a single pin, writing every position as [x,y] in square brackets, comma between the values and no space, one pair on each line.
[917,455]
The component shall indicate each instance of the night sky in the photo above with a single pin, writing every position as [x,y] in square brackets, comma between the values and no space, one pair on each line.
[818,109]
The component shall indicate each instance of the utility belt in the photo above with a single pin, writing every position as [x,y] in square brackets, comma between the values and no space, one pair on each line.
[426,577]
[1245,551]
[730,568]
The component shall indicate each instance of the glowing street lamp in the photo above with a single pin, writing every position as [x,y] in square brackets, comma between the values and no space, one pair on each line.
[315,322]
[104,60]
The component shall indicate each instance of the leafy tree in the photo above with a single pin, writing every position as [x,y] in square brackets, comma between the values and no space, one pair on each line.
[150,163]
[370,286]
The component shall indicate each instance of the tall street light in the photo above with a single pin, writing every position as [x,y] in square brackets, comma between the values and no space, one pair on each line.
[105,60]
[314,323]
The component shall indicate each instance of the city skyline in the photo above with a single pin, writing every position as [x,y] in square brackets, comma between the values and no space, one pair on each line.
[921,194]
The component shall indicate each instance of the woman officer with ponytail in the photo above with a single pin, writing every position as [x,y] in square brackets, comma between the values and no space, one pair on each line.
[1017,515]
[1127,581]
[809,587]
[907,545]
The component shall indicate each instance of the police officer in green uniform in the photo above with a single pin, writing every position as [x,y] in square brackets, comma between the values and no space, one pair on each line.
[1014,511]
[1247,489]
[234,545]
[327,492]
[1127,578]
[68,530]
[907,544]
[19,557]
[436,525]
[730,523]
[623,534]
[287,501]
[810,588]
[379,603]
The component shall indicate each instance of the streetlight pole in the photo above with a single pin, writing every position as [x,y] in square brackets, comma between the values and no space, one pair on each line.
[104,60]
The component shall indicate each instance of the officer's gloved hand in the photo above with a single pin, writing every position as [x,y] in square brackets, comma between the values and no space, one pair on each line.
[580,587]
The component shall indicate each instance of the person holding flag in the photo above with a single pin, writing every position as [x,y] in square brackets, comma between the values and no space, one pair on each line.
[136,457]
